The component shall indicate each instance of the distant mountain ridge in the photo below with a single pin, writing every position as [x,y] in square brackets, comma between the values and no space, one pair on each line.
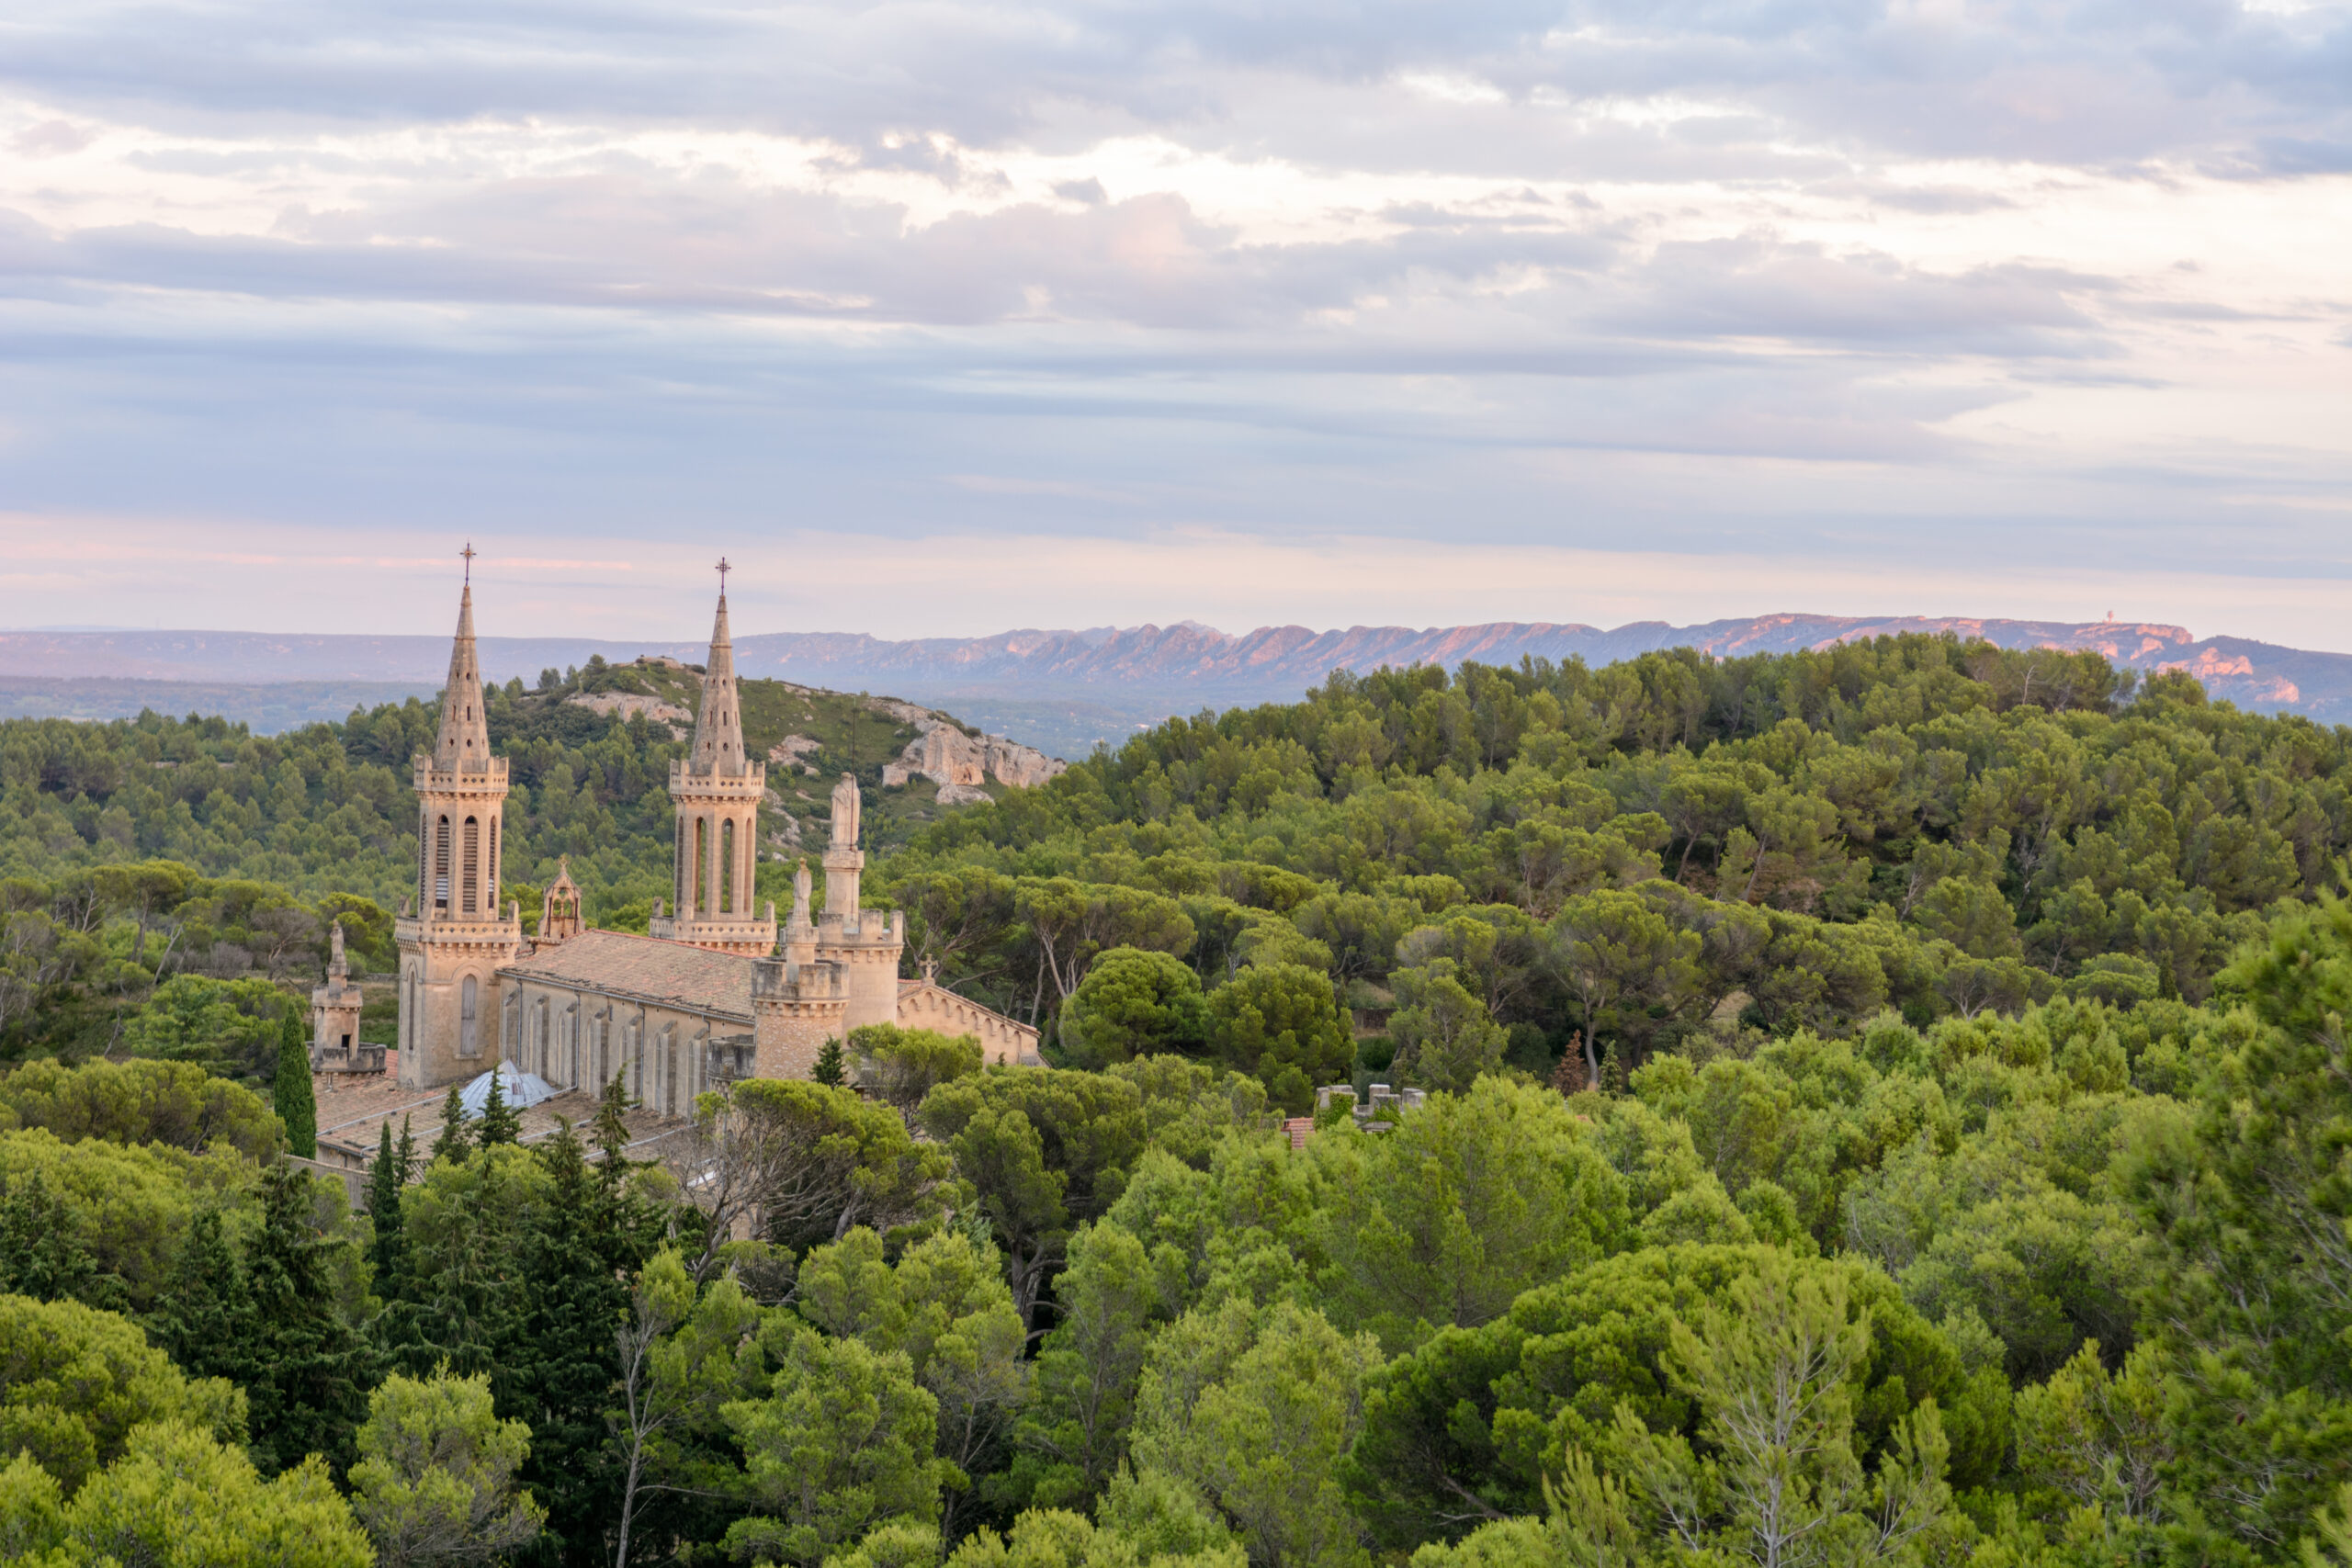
[1066,690]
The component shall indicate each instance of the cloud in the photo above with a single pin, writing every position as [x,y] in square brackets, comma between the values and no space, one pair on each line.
[1867,275]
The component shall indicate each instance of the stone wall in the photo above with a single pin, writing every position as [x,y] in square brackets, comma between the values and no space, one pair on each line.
[578,1037]
[925,1005]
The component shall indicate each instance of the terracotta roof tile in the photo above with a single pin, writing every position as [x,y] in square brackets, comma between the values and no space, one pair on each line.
[670,973]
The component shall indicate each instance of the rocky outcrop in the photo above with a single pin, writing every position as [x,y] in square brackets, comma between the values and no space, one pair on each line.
[782,826]
[960,764]
[793,750]
[628,704]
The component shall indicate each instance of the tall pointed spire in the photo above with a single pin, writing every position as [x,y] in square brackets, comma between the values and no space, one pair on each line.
[463,745]
[717,790]
[719,727]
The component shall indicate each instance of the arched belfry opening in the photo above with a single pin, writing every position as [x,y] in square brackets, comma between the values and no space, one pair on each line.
[455,933]
[717,790]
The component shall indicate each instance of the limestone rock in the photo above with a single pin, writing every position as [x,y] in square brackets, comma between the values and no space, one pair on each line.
[905,712]
[628,704]
[782,826]
[955,761]
[791,751]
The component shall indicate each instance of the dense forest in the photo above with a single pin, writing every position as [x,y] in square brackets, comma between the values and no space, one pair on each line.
[1888,1105]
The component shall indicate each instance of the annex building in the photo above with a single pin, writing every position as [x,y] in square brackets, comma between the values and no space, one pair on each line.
[715,991]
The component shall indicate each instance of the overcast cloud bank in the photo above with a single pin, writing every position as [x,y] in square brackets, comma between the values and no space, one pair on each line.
[1626,306]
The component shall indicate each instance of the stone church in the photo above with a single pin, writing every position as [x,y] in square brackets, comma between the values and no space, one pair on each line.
[715,991]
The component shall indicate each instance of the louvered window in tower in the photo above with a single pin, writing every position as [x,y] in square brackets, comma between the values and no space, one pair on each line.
[727,867]
[469,867]
[490,871]
[702,865]
[441,864]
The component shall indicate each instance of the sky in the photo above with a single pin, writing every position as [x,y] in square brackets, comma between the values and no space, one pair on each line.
[940,318]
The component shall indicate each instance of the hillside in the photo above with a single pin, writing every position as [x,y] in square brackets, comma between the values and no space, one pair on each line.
[325,807]
[1944,1035]
[1067,690]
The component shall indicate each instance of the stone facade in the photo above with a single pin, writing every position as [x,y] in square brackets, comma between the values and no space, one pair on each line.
[926,1004]
[712,994]
[718,790]
[334,1019]
[452,935]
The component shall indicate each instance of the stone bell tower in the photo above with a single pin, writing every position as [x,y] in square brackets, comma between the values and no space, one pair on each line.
[867,943]
[718,788]
[452,933]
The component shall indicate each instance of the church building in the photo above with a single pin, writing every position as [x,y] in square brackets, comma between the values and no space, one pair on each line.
[715,990]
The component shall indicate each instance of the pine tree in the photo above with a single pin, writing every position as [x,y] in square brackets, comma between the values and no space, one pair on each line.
[830,1068]
[312,1367]
[387,1179]
[500,1123]
[296,1107]
[456,1141]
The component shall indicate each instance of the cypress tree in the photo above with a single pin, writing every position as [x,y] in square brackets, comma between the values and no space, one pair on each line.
[460,1297]
[387,1179]
[455,1142]
[204,1317]
[296,1107]
[830,1068]
[312,1367]
[41,1252]
[610,1134]
[562,1373]
[500,1123]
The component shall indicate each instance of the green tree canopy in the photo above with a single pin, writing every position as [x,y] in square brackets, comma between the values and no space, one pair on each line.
[1281,1023]
[75,1383]
[1134,1003]
[434,1483]
[175,1103]
[901,1066]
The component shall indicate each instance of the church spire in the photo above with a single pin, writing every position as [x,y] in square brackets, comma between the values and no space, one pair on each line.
[463,745]
[717,789]
[719,727]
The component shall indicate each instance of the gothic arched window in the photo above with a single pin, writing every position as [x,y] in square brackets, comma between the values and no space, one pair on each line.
[468,1006]
[726,883]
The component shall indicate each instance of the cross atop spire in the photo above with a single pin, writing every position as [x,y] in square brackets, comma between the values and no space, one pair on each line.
[718,726]
[469,552]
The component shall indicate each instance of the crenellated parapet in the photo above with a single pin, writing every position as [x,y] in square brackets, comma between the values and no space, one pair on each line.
[796,1008]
